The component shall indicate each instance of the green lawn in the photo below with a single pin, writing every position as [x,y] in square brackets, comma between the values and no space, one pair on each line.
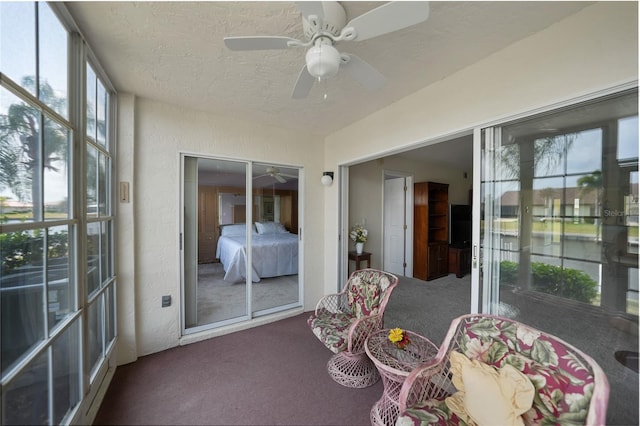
[569,227]
[27,216]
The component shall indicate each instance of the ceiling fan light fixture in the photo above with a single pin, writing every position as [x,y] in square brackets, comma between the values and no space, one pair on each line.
[323,61]
[325,24]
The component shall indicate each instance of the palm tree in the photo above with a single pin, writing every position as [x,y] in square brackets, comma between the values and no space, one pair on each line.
[593,182]
[548,152]
[30,144]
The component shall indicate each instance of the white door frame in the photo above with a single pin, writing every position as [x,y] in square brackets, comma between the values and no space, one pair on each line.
[475,220]
[343,227]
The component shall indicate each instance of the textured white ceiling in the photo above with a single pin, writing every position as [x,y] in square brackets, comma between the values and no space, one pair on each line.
[174,52]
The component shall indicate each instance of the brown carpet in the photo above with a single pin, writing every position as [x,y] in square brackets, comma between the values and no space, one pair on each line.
[270,375]
[276,373]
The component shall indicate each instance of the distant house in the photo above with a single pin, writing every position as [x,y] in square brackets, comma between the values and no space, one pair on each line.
[567,202]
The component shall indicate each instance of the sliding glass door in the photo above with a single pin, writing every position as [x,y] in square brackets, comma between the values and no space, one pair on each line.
[214,196]
[276,239]
[559,232]
[230,206]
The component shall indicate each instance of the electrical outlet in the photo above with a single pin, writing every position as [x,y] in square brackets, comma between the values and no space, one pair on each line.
[166,301]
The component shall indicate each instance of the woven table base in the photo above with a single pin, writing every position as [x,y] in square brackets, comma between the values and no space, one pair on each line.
[384,414]
[353,371]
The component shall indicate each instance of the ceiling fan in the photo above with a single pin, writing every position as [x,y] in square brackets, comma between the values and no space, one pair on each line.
[275,173]
[325,24]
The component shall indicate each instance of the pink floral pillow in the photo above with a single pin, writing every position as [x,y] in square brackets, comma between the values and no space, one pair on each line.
[364,297]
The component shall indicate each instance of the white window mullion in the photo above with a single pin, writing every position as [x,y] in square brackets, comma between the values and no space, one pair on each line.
[37,52]
[50,390]
[249,222]
[45,282]
[491,242]
[77,182]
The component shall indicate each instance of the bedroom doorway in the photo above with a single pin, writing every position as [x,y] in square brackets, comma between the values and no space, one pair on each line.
[229,205]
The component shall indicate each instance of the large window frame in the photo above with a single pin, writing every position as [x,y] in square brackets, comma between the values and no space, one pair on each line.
[74,351]
[521,292]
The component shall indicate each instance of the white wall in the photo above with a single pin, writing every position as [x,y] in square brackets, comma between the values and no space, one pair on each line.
[127,350]
[161,132]
[594,50]
[366,193]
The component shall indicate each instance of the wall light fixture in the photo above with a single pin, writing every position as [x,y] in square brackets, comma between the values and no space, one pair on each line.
[327,178]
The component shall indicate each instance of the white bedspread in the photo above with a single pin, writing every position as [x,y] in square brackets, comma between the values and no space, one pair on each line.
[273,255]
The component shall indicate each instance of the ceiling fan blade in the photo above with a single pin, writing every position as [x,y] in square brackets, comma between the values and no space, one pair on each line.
[362,72]
[279,178]
[312,8]
[387,18]
[260,42]
[289,176]
[303,84]
[260,176]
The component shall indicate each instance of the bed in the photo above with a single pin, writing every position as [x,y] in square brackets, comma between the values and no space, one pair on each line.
[275,251]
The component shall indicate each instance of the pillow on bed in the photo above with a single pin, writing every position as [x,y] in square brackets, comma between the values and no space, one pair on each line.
[270,228]
[234,230]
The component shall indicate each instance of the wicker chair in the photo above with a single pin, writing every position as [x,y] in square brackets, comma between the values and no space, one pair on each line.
[569,386]
[344,320]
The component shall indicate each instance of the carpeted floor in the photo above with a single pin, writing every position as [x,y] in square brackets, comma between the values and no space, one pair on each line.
[276,374]
[428,307]
[270,375]
[220,300]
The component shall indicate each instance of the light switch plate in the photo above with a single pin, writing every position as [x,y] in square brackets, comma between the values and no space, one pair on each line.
[124,192]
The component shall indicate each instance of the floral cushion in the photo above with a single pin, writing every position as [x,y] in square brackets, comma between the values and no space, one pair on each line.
[331,328]
[563,382]
[365,292]
[431,412]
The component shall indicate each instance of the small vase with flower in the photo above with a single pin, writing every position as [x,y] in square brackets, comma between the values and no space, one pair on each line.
[359,235]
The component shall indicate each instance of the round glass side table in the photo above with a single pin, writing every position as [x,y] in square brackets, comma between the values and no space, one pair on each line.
[394,365]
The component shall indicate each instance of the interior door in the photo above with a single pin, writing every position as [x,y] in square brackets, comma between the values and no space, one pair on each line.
[397,258]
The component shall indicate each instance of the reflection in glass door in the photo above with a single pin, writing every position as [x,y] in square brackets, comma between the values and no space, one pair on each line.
[559,233]
[214,207]
[275,243]
[225,213]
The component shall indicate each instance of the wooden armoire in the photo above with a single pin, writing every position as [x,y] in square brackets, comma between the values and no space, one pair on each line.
[207,223]
[430,230]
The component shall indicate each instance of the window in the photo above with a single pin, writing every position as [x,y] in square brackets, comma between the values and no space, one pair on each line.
[100,287]
[560,243]
[57,263]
